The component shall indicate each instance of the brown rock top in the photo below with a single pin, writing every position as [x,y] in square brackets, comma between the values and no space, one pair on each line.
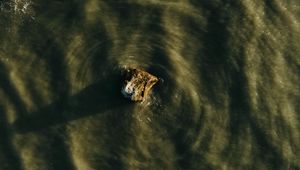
[137,84]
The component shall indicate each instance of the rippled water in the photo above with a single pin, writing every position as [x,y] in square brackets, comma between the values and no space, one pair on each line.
[229,98]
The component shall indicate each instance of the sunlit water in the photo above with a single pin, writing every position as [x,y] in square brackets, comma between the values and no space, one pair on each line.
[229,98]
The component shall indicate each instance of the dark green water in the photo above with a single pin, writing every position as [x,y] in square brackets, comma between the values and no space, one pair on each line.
[229,100]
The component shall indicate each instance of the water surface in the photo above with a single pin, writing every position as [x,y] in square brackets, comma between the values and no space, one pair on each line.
[229,100]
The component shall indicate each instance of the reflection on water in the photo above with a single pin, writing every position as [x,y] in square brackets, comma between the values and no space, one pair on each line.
[229,99]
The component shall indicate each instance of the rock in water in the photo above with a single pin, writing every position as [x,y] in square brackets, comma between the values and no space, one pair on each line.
[137,84]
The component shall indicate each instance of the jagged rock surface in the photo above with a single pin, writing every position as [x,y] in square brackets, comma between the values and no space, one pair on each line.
[137,84]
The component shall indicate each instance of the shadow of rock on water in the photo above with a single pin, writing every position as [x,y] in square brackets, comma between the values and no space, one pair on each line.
[97,98]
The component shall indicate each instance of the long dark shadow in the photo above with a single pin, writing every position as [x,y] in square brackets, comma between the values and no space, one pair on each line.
[12,159]
[97,98]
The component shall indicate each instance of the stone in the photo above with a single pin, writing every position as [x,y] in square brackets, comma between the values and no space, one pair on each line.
[137,84]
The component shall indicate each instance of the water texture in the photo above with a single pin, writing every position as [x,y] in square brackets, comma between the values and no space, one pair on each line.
[229,98]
